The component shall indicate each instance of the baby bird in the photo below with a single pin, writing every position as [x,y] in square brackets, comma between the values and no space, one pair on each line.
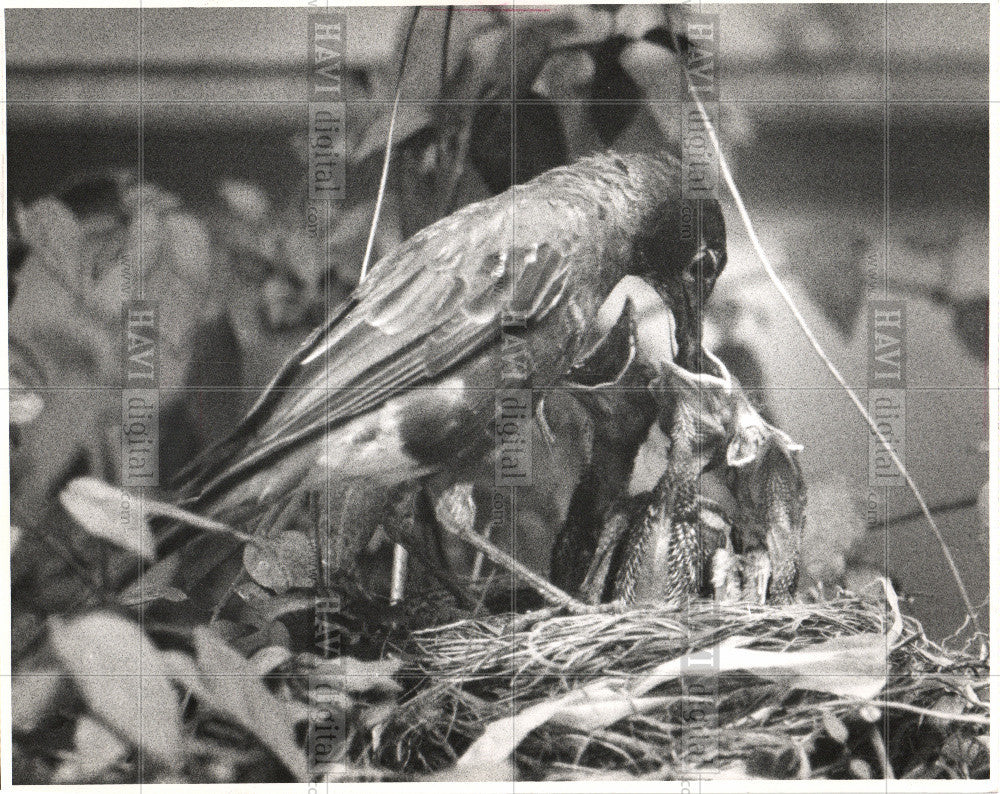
[676,540]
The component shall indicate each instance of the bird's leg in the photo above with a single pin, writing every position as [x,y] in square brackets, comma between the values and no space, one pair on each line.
[404,516]
[400,572]
[727,576]
[616,526]
[756,576]
[404,525]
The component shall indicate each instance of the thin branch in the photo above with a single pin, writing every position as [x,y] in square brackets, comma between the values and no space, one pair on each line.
[388,146]
[804,326]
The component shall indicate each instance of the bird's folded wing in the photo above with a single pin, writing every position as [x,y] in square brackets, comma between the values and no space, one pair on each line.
[424,309]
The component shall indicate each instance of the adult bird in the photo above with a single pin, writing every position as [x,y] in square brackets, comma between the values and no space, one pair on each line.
[400,383]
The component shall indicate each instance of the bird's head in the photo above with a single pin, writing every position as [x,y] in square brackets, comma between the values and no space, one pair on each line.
[713,415]
[682,251]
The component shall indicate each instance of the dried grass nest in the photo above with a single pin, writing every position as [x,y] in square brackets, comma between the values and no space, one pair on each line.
[845,688]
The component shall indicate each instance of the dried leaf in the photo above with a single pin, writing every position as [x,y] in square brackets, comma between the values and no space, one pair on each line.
[233,687]
[491,752]
[109,513]
[845,666]
[852,667]
[598,714]
[281,562]
[117,668]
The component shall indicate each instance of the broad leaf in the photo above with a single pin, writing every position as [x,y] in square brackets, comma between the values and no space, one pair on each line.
[154,584]
[96,750]
[233,687]
[352,675]
[109,513]
[25,405]
[32,695]
[281,562]
[124,680]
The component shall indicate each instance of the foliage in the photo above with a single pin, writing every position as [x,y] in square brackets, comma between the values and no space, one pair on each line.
[219,647]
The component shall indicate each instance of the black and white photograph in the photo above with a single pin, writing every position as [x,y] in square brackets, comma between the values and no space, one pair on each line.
[550,397]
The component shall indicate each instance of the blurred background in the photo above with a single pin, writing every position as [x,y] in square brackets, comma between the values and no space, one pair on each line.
[859,136]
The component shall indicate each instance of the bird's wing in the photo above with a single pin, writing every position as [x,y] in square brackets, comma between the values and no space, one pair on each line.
[424,308]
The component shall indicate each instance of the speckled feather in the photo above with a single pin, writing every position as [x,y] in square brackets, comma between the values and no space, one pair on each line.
[664,555]
[771,494]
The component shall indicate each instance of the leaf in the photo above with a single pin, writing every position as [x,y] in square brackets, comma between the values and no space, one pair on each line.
[148,594]
[232,687]
[154,584]
[835,728]
[564,74]
[117,668]
[109,513]
[100,508]
[54,236]
[860,769]
[270,634]
[25,406]
[970,322]
[410,119]
[588,708]
[96,749]
[830,262]
[600,713]
[32,695]
[356,676]
[245,200]
[266,659]
[870,713]
[281,562]
[853,667]
[844,666]
[611,85]
[491,753]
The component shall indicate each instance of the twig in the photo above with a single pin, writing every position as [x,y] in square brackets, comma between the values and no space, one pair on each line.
[400,557]
[388,146]
[765,261]
[544,588]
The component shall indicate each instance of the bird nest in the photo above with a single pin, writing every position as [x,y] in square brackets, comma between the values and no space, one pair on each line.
[842,688]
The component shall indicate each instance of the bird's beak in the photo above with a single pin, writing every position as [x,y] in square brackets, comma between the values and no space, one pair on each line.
[750,435]
[655,324]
